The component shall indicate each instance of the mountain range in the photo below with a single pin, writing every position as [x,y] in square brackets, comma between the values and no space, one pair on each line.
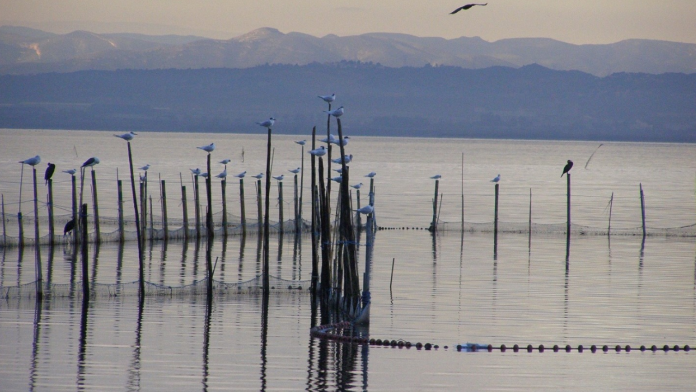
[30,51]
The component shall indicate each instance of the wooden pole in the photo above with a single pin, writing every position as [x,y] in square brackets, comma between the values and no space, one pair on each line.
[266,223]
[4,228]
[433,224]
[241,205]
[611,205]
[95,203]
[141,270]
[223,185]
[152,223]
[37,248]
[358,219]
[495,219]
[121,226]
[301,192]
[209,193]
[297,211]
[165,220]
[85,262]
[642,208]
[143,210]
[259,207]
[530,215]
[19,212]
[197,210]
[568,204]
[51,223]
[74,209]
[184,206]
[280,205]
[315,256]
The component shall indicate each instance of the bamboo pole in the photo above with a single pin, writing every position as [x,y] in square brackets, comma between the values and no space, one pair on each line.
[51,223]
[611,205]
[433,224]
[568,204]
[358,219]
[315,259]
[37,248]
[495,219]
[266,223]
[241,205]
[530,215]
[184,206]
[296,200]
[642,208]
[280,205]
[74,209]
[165,220]
[353,282]
[259,207]
[223,185]
[121,234]
[152,223]
[141,270]
[85,262]
[299,225]
[95,205]
[143,210]
[197,204]
[4,228]
[209,193]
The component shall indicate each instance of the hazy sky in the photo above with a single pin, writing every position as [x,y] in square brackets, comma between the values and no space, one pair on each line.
[580,22]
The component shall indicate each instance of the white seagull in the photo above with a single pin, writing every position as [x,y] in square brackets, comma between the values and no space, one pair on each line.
[144,168]
[496,179]
[343,142]
[258,176]
[241,175]
[223,174]
[225,161]
[280,177]
[301,142]
[357,186]
[436,177]
[318,152]
[209,148]
[71,171]
[196,171]
[295,171]
[337,179]
[348,159]
[127,136]
[371,175]
[339,170]
[204,175]
[268,123]
[328,98]
[329,139]
[31,161]
[367,210]
[336,113]
[143,178]
[91,162]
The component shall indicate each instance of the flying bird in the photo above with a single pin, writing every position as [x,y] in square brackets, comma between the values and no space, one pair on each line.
[209,148]
[69,227]
[295,171]
[31,161]
[301,142]
[357,186]
[465,7]
[336,113]
[268,123]
[436,177]
[567,167]
[91,162]
[144,168]
[496,179]
[370,175]
[49,171]
[367,210]
[328,98]
[71,171]
[318,152]
[127,136]
[348,158]
[280,177]
[258,176]
[225,161]
[241,175]
[223,174]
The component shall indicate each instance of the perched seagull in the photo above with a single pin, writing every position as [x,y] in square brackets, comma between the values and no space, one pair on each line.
[143,177]
[336,113]
[357,186]
[330,139]
[280,177]
[567,167]
[241,175]
[371,175]
[258,176]
[196,171]
[301,142]
[91,162]
[318,152]
[204,175]
[337,179]
[328,98]
[127,136]
[348,159]
[343,142]
[144,168]
[225,161]
[31,161]
[465,7]
[49,171]
[496,179]
[209,148]
[69,227]
[268,123]
[436,177]
[295,171]
[367,210]
[223,174]
[339,170]
[71,171]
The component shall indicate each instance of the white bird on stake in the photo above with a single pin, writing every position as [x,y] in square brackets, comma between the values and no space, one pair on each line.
[496,179]
[144,168]
[127,136]
[371,175]
[348,159]
[223,174]
[336,113]
[318,152]
[337,179]
[225,161]
[91,162]
[196,171]
[241,175]
[367,210]
[328,98]
[436,177]
[295,171]
[344,142]
[209,148]
[280,177]
[70,171]
[268,123]
[31,161]
[301,142]
[357,186]
[258,176]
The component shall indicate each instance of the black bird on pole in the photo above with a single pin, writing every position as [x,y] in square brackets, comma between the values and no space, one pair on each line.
[49,172]
[69,227]
[567,167]
[465,7]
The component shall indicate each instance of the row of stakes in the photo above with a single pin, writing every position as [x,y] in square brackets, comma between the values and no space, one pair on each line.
[324,332]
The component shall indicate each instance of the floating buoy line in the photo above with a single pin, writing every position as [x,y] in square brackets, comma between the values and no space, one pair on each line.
[333,332]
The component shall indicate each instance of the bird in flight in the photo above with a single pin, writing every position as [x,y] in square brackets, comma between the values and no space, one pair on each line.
[466,7]
[567,167]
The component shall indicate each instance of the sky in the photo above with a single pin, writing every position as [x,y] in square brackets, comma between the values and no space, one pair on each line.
[578,22]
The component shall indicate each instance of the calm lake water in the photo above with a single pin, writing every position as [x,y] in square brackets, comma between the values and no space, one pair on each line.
[446,290]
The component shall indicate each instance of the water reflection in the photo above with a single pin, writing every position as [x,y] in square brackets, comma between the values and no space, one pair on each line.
[134,367]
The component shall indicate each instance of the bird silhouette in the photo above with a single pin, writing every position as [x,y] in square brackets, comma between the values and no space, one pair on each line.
[49,172]
[496,179]
[91,162]
[567,167]
[465,7]
[69,227]
[436,177]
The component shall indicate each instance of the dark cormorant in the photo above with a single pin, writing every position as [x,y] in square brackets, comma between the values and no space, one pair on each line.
[567,167]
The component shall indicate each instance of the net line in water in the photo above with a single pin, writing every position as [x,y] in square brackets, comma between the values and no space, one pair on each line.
[252,287]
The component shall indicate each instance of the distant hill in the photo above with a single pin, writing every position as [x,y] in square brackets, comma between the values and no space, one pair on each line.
[26,51]
[531,102]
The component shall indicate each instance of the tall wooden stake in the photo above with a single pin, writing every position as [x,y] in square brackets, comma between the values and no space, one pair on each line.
[223,185]
[315,256]
[280,205]
[51,223]
[611,205]
[184,206]
[95,203]
[165,220]
[568,205]
[259,203]
[85,262]
[121,226]
[266,223]
[642,208]
[197,202]
[495,219]
[4,228]
[37,248]
[74,209]
[433,224]
[209,193]
[241,205]
[141,270]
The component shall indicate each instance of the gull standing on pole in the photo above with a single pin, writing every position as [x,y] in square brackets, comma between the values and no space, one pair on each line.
[196,171]
[371,175]
[280,177]
[348,159]
[301,142]
[343,142]
[357,186]
[336,112]
[367,210]
[127,136]
[144,168]
[318,152]
[436,177]
[258,176]
[496,179]
[225,161]
[70,171]
[241,175]
[328,98]
[268,123]
[223,174]
[91,162]
[295,171]
[209,148]
[31,161]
